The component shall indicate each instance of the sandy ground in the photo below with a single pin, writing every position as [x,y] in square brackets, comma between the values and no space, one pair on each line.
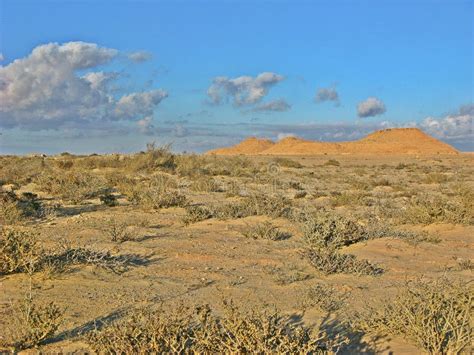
[211,260]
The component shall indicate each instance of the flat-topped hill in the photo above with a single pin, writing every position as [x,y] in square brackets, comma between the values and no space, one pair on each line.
[388,141]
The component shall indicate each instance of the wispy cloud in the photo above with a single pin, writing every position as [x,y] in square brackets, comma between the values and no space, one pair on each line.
[279,105]
[327,94]
[139,56]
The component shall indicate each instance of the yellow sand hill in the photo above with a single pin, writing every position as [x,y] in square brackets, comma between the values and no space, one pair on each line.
[388,141]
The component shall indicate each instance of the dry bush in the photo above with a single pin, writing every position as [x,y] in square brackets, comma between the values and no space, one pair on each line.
[287,163]
[348,199]
[199,330]
[435,315]
[435,209]
[30,323]
[10,210]
[264,230]
[326,229]
[20,170]
[255,205]
[325,298]
[196,213]
[74,186]
[117,231]
[330,261]
[60,260]
[287,274]
[205,184]
[158,192]
[155,158]
[19,251]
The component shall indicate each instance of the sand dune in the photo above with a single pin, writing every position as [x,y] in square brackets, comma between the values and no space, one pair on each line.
[388,141]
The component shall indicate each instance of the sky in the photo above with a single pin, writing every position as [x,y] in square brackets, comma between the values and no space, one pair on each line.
[110,76]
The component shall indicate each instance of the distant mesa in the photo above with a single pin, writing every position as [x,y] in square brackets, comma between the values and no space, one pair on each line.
[387,141]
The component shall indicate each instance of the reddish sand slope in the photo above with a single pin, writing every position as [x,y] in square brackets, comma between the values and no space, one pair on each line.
[388,141]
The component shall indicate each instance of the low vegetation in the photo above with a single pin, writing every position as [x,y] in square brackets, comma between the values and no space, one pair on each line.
[200,330]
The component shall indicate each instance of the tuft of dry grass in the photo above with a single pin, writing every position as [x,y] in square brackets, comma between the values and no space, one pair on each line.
[19,251]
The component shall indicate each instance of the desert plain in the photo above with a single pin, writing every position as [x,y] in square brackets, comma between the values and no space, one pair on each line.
[302,247]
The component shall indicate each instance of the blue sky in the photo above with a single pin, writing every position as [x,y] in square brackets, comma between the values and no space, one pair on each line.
[389,63]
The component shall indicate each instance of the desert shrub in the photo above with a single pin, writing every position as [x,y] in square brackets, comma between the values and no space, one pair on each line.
[19,251]
[332,162]
[232,189]
[287,274]
[20,170]
[196,213]
[300,194]
[158,192]
[427,209]
[10,209]
[30,323]
[117,231]
[296,185]
[348,199]
[435,178]
[60,260]
[255,205]
[205,184]
[264,230]
[435,315]
[325,297]
[330,261]
[108,199]
[201,331]
[327,229]
[155,158]
[73,186]
[287,163]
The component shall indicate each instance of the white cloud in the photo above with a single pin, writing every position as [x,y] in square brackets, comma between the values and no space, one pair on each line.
[140,56]
[454,126]
[371,107]
[243,90]
[2,58]
[44,89]
[327,94]
[279,105]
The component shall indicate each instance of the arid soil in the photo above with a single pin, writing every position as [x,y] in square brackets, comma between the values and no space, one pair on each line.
[194,261]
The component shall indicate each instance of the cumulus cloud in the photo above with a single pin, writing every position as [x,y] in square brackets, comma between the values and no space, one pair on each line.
[1,57]
[44,90]
[456,126]
[327,94]
[243,90]
[140,56]
[279,105]
[371,107]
